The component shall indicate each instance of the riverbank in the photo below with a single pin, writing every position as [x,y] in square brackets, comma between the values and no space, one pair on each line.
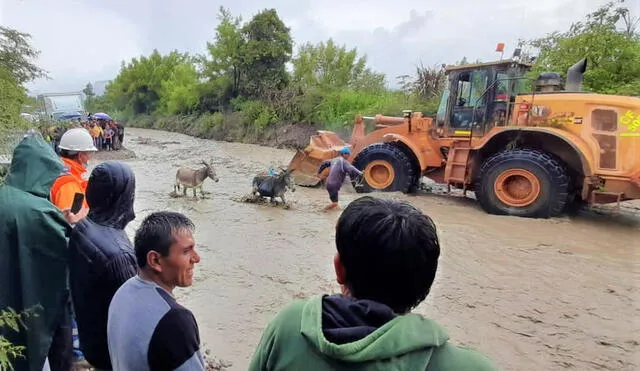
[233,127]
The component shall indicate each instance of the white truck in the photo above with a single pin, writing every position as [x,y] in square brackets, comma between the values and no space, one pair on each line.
[56,106]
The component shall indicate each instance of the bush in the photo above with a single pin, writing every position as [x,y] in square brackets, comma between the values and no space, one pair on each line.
[258,113]
[14,321]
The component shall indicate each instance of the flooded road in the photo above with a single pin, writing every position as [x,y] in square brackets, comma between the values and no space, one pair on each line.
[532,294]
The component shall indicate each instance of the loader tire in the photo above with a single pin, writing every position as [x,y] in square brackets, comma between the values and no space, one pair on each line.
[386,168]
[523,182]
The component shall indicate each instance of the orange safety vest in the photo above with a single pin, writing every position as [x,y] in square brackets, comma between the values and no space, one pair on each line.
[73,174]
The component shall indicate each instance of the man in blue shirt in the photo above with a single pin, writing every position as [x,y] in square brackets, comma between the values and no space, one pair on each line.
[147,329]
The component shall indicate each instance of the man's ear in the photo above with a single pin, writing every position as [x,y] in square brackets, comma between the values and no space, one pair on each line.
[153,261]
[341,274]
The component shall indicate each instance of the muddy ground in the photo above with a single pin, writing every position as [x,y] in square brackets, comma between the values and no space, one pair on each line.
[532,294]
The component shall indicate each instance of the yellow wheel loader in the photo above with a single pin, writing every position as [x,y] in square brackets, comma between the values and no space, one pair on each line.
[527,147]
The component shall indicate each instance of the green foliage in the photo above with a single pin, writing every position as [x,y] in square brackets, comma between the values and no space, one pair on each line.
[30,105]
[17,56]
[328,66]
[153,83]
[99,104]
[257,112]
[245,59]
[609,41]
[179,92]
[13,321]
[88,90]
[16,68]
[12,96]
[338,109]
[224,64]
[268,47]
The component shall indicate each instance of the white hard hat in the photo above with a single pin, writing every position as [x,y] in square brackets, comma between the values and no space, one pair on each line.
[77,140]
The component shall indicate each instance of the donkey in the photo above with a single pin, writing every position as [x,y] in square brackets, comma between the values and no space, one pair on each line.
[190,178]
[273,186]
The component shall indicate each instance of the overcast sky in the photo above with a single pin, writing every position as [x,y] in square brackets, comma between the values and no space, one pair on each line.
[86,40]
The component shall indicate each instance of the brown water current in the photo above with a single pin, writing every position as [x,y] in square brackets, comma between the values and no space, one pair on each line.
[532,294]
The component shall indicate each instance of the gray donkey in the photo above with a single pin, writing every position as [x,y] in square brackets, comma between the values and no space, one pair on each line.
[190,178]
[273,186]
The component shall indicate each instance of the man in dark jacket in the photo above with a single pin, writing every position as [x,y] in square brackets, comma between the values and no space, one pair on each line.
[101,256]
[33,254]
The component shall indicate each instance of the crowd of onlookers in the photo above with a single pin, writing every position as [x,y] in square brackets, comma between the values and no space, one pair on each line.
[107,135]
[82,264]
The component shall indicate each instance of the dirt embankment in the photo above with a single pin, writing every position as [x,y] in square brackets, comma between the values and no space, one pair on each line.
[232,128]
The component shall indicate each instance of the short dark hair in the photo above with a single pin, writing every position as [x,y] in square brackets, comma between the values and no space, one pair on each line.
[389,250]
[71,155]
[156,233]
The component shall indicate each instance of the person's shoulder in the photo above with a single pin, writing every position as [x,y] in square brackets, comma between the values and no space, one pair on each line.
[178,317]
[125,292]
[456,357]
[288,319]
[29,206]
[128,285]
[290,311]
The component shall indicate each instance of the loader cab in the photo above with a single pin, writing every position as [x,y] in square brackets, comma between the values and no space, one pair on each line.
[479,96]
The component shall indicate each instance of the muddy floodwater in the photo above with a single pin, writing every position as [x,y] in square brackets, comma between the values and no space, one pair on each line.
[532,294]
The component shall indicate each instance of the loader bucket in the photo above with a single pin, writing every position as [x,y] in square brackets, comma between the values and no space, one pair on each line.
[323,146]
[305,169]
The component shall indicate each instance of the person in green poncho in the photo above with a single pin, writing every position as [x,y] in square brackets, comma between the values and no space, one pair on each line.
[33,249]
[386,263]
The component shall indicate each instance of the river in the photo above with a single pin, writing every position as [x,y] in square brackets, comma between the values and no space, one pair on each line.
[532,294]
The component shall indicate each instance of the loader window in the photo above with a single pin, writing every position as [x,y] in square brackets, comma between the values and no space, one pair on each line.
[470,99]
[442,108]
[604,123]
[474,87]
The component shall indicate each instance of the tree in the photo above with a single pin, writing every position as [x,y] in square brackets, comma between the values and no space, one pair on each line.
[145,84]
[224,64]
[18,56]
[17,67]
[12,96]
[611,44]
[268,48]
[331,66]
[88,90]
[427,83]
[179,92]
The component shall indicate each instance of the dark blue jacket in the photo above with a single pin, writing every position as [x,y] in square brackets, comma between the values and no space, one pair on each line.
[101,256]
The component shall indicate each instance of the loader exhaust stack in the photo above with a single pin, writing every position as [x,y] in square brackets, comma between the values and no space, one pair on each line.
[575,75]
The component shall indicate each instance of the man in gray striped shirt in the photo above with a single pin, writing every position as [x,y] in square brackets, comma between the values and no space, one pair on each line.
[147,329]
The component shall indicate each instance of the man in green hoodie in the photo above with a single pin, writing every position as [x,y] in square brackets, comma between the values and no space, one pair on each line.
[33,250]
[386,263]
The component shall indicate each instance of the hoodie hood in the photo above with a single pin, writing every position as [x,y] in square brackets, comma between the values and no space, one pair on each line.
[355,330]
[34,166]
[110,194]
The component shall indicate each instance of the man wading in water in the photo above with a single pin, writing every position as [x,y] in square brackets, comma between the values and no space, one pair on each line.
[339,168]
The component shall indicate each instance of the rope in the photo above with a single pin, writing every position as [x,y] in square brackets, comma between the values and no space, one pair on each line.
[359,181]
